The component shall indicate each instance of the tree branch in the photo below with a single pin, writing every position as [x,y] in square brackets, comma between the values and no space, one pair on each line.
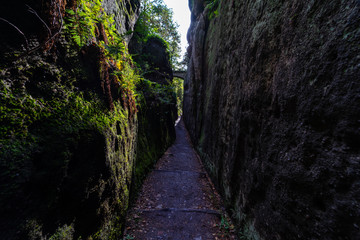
[35,13]
[27,43]
[53,36]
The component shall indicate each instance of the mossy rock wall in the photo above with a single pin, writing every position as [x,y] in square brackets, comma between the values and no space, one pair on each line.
[69,136]
[157,109]
[156,134]
[71,167]
[125,13]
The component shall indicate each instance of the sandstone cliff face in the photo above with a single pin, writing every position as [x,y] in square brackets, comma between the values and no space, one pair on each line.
[272,103]
[69,143]
[125,13]
[157,111]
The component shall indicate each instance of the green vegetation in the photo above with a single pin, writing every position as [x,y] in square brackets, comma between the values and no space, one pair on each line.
[63,233]
[178,85]
[157,19]
[89,24]
[224,224]
[44,118]
[85,99]
[213,8]
[156,99]
[82,23]
[128,237]
[163,93]
[49,127]
[20,111]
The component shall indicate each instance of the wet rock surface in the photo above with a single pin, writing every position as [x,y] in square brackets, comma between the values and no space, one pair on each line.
[177,200]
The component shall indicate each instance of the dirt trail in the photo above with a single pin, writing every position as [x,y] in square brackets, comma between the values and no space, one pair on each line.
[177,201]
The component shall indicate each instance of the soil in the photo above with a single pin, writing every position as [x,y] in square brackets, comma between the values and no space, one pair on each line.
[178,200]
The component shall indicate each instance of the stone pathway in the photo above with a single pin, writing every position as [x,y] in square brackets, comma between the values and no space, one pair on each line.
[177,200]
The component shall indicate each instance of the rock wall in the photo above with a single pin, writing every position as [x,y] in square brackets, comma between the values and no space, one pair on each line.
[271,102]
[70,136]
[158,110]
[125,13]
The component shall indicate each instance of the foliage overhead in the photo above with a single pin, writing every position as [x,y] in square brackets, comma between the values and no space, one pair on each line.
[156,18]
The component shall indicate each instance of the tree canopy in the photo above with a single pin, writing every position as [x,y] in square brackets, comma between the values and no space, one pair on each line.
[157,19]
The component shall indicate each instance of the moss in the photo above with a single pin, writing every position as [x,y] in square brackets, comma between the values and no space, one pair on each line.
[47,126]
[213,8]
[63,233]
[157,114]
[63,150]
[157,38]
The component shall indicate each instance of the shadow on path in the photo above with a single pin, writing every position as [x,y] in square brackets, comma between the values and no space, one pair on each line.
[177,200]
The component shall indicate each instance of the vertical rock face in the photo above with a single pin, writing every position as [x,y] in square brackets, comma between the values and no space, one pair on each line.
[70,135]
[158,111]
[67,176]
[125,13]
[272,103]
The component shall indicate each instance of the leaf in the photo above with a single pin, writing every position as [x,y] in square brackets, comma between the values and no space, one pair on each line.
[77,40]
[70,11]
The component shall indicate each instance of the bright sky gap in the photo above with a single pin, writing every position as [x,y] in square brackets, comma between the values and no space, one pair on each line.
[182,17]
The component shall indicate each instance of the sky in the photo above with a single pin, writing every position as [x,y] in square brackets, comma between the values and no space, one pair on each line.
[182,17]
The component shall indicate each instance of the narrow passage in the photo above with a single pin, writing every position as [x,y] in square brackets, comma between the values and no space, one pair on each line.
[177,200]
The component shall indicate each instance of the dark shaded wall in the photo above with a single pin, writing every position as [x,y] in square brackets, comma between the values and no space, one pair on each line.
[157,107]
[69,176]
[272,104]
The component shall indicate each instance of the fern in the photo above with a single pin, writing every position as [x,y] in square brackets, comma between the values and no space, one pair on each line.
[81,23]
